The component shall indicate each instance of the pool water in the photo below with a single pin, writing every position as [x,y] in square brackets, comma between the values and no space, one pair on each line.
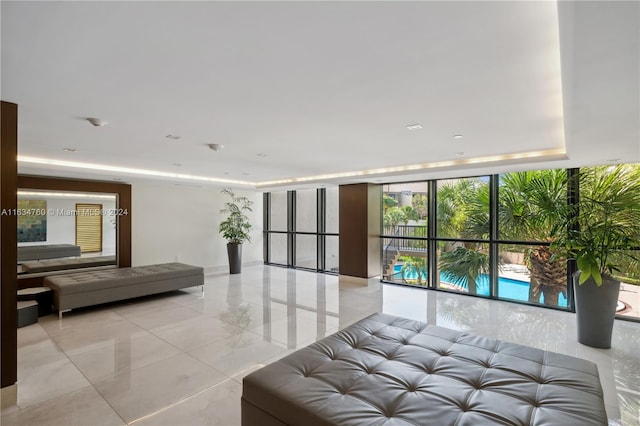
[508,288]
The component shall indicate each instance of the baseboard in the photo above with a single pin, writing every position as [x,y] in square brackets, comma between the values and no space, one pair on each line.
[348,279]
[8,397]
[224,269]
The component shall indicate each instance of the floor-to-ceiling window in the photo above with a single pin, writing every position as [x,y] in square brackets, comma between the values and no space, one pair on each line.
[277,236]
[405,219]
[529,206]
[301,229]
[462,235]
[488,236]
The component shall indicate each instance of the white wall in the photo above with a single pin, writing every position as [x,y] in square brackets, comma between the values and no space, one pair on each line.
[61,223]
[172,222]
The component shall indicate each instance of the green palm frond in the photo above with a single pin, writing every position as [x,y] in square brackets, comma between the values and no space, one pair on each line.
[604,222]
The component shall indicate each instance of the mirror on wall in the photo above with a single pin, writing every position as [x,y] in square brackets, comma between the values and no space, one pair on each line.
[61,230]
[70,225]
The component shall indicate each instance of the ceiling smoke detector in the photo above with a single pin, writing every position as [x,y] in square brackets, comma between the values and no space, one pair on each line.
[216,146]
[97,122]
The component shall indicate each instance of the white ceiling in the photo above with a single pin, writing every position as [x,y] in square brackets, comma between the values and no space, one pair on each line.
[322,87]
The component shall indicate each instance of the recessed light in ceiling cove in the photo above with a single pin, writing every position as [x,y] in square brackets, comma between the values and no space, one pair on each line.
[69,150]
[174,137]
[457,136]
[215,146]
[128,170]
[414,127]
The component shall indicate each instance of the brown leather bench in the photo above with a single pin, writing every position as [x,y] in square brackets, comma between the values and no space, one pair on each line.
[386,370]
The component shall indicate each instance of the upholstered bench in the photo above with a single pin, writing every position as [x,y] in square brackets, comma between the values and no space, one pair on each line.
[386,370]
[64,264]
[108,285]
[47,251]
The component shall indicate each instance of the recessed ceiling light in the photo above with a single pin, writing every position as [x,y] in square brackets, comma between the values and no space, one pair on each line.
[174,137]
[216,146]
[613,160]
[97,122]
[457,136]
[414,127]
[70,150]
[460,154]
[177,164]
[261,155]
[245,174]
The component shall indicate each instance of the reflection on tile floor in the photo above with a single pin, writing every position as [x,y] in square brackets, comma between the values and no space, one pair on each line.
[179,358]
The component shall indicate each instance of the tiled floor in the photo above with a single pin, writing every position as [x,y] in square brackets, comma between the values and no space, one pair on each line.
[179,359]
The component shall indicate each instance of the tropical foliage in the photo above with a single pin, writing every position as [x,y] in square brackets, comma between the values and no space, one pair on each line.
[416,268]
[532,219]
[603,226]
[463,265]
[235,228]
[530,206]
[463,212]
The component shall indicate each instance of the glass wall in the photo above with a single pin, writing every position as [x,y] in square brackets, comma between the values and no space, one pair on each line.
[491,236]
[618,184]
[301,229]
[330,234]
[502,255]
[529,207]
[404,230]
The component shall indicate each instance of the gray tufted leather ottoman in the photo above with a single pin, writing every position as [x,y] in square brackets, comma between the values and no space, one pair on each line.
[108,285]
[386,370]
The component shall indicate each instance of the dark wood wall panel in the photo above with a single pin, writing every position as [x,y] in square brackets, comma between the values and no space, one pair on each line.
[8,238]
[359,230]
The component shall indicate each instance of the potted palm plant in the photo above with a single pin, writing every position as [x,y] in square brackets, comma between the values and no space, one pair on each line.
[235,228]
[601,230]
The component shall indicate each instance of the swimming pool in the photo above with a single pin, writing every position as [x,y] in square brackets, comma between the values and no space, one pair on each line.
[508,288]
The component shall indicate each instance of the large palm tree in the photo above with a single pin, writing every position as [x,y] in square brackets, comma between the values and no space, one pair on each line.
[463,265]
[530,207]
[452,196]
[463,212]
